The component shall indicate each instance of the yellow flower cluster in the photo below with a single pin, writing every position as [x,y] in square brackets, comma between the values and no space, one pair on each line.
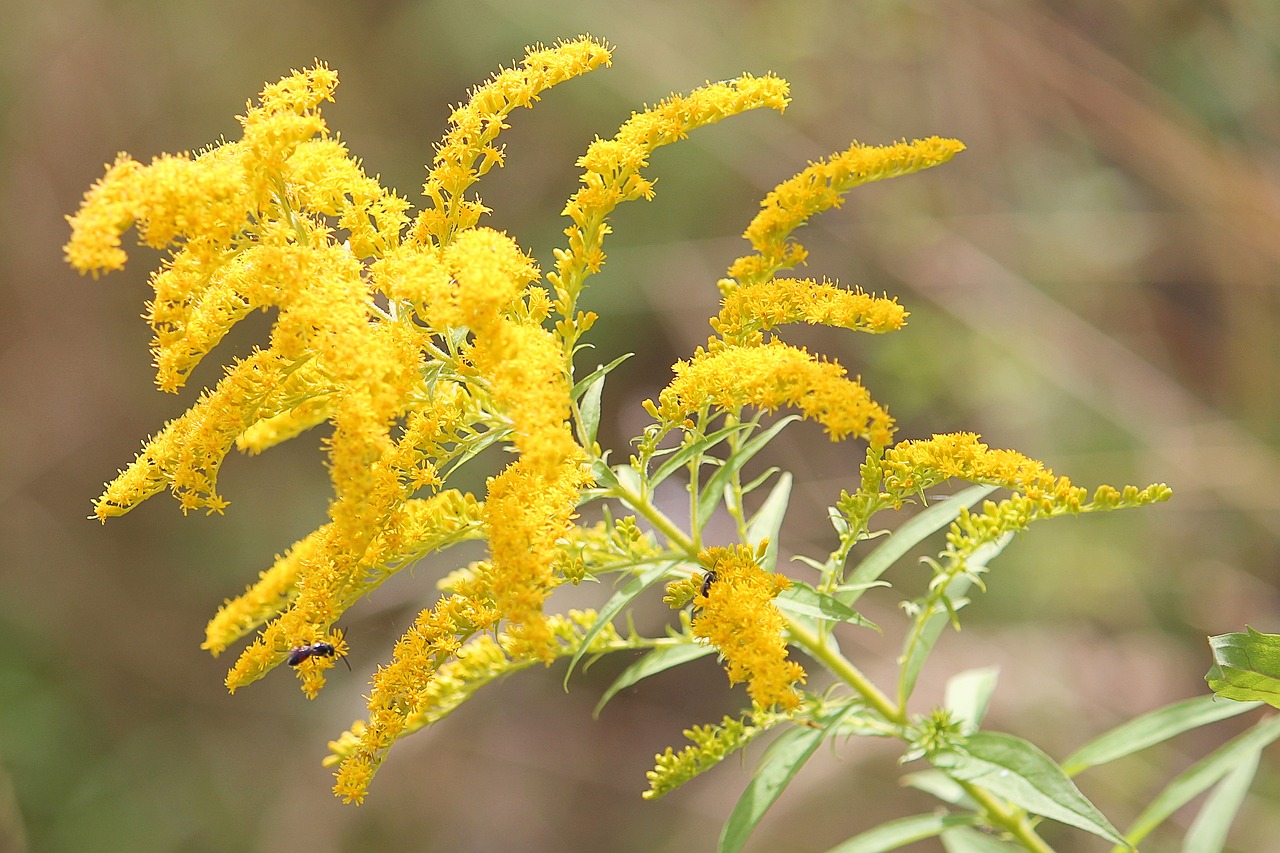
[737,616]
[405,708]
[822,187]
[710,745]
[910,467]
[740,367]
[420,340]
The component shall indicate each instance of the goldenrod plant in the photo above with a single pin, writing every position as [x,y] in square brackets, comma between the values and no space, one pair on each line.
[429,343]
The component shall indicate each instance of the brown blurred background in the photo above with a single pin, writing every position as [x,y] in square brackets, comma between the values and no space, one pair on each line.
[1094,283]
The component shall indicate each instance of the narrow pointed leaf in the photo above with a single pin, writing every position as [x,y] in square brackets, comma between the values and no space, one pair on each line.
[964,839]
[685,453]
[595,376]
[1203,775]
[713,491]
[767,521]
[804,600]
[1152,728]
[615,605]
[1016,770]
[940,785]
[1208,833]
[901,832]
[921,526]
[968,694]
[779,765]
[589,403]
[660,659]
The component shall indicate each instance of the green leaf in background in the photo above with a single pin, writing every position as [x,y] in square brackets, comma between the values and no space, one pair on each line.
[962,839]
[616,604]
[713,491]
[900,832]
[1208,833]
[1016,770]
[767,521]
[968,694]
[779,765]
[1152,728]
[587,394]
[906,537]
[1246,667]
[661,658]
[1203,775]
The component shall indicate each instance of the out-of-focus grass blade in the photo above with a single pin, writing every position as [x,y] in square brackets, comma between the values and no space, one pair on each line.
[1208,833]
[661,658]
[898,833]
[1152,728]
[779,765]
[1202,775]
[906,537]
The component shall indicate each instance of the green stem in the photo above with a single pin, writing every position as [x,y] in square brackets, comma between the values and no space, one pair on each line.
[844,669]
[1015,823]
[678,538]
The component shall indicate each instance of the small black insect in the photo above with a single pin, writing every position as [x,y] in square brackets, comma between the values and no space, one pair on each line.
[316,650]
[707,580]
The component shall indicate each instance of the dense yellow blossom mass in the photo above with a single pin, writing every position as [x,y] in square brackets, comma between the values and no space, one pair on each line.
[423,341]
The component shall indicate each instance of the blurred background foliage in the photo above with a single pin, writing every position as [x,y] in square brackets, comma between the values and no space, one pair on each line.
[1094,283]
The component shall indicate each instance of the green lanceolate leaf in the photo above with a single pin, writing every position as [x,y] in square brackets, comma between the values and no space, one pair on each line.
[906,537]
[1017,771]
[1152,728]
[1246,667]
[713,490]
[616,605]
[804,600]
[682,455]
[1208,833]
[1203,775]
[661,658]
[963,839]
[587,394]
[766,523]
[901,832]
[596,376]
[779,765]
[968,694]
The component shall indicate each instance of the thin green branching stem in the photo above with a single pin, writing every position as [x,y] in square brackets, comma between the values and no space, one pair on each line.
[843,668]
[679,540]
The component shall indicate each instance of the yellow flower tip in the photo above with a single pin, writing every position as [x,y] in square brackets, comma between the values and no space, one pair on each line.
[353,778]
